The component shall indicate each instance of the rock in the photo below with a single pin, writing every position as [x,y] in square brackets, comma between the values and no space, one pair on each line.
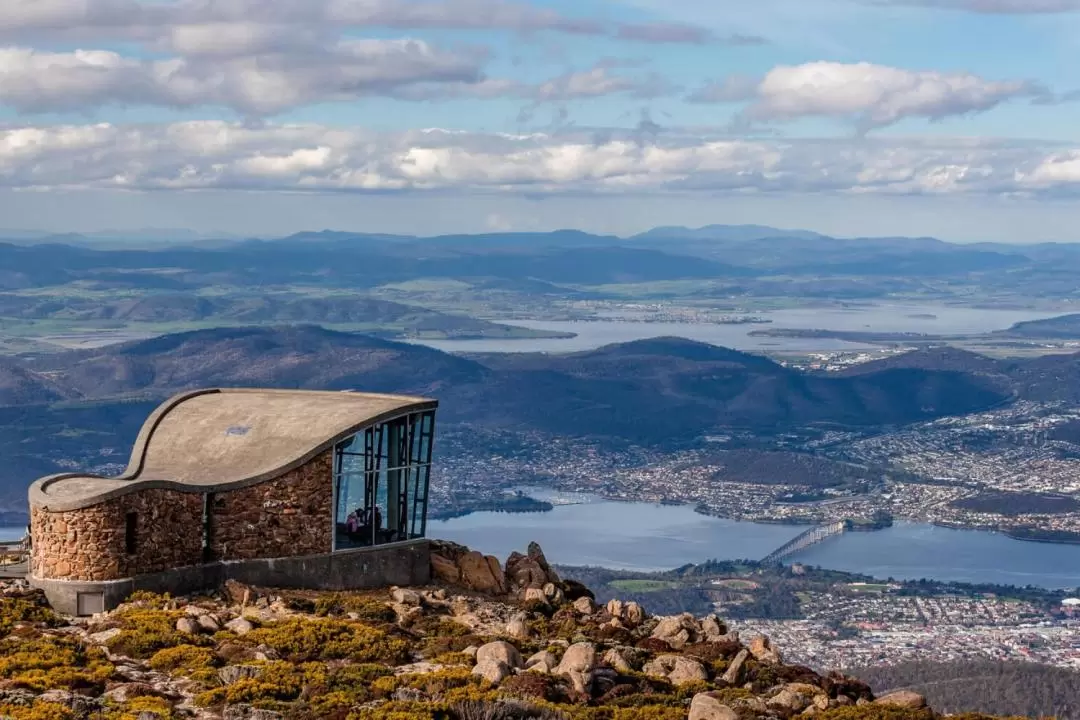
[615,608]
[238,593]
[677,631]
[734,670]
[676,668]
[635,614]
[534,595]
[762,649]
[712,627]
[470,651]
[542,661]
[445,570]
[619,659]
[187,625]
[706,707]
[581,681]
[903,698]
[499,651]
[406,596]
[195,610]
[231,674]
[126,691]
[208,623]
[240,626]
[518,628]
[523,572]
[585,606]
[580,657]
[246,712]
[493,671]
[789,699]
[482,574]
[101,638]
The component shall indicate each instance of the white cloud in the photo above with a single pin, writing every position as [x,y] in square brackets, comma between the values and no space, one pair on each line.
[218,155]
[870,95]
[33,81]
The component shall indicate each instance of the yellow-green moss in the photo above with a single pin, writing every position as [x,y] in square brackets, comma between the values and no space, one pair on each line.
[48,662]
[301,640]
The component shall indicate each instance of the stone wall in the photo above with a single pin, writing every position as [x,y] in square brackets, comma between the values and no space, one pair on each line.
[91,544]
[286,517]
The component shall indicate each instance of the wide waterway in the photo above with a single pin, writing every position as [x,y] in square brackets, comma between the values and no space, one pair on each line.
[644,536]
[916,318]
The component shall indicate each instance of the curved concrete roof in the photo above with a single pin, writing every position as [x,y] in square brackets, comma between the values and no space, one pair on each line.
[224,439]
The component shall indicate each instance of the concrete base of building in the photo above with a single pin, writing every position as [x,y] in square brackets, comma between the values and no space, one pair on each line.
[404,563]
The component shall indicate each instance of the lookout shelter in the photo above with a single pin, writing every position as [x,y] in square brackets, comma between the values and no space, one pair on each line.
[282,488]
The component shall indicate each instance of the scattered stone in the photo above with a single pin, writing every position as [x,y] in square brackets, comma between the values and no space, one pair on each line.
[734,671]
[619,659]
[635,615]
[208,623]
[677,669]
[584,606]
[518,628]
[499,651]
[580,657]
[707,707]
[246,712]
[103,637]
[240,626]
[542,661]
[231,674]
[187,625]
[762,649]
[408,597]
[482,573]
[903,698]
[238,593]
[493,671]
[470,651]
[535,595]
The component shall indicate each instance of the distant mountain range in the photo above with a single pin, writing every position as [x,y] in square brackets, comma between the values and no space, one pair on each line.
[664,392]
[562,258]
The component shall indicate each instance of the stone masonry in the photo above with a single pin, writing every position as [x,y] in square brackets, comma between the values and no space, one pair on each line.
[287,517]
[90,544]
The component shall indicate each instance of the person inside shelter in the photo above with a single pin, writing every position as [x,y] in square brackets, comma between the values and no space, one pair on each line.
[361,523]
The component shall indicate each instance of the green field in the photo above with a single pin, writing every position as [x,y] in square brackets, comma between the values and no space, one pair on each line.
[642,586]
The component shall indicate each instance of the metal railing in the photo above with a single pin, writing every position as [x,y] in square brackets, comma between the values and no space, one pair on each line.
[14,559]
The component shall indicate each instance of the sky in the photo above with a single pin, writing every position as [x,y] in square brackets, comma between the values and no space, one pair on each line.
[953,118]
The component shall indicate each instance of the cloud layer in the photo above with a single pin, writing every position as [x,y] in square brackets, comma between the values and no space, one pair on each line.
[209,155]
[870,95]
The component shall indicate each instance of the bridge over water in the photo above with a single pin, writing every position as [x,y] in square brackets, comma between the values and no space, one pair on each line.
[804,540]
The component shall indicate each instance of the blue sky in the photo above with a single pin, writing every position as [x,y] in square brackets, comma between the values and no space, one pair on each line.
[954,118]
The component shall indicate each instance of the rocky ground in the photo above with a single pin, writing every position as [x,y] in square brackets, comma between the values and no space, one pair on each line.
[489,641]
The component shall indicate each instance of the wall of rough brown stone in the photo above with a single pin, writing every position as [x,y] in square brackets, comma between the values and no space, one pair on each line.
[90,544]
[287,517]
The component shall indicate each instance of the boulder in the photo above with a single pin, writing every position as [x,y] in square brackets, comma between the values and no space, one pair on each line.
[904,699]
[585,606]
[405,596]
[713,629]
[762,649]
[677,669]
[620,659]
[493,671]
[238,593]
[554,594]
[542,661]
[580,657]
[231,674]
[187,625]
[790,700]
[482,573]
[522,573]
[535,595]
[734,670]
[635,614]
[707,707]
[582,682]
[246,712]
[208,623]
[240,626]
[445,570]
[518,628]
[677,631]
[499,651]
[103,637]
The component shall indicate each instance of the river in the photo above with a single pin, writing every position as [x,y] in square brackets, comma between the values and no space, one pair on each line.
[919,318]
[648,537]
